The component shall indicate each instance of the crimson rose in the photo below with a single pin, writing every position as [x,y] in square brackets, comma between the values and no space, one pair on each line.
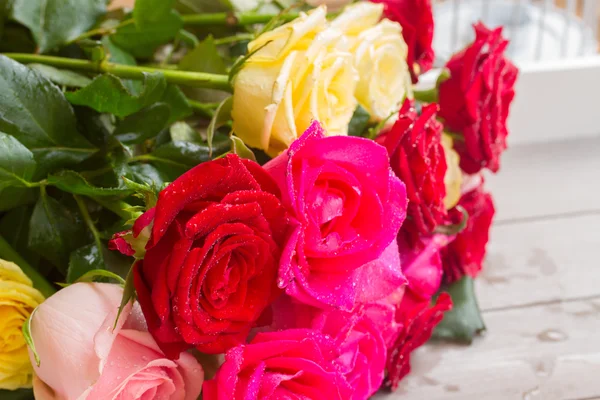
[475,100]
[416,18]
[213,255]
[464,256]
[417,157]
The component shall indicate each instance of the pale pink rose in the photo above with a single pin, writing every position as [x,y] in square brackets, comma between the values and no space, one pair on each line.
[82,357]
[349,206]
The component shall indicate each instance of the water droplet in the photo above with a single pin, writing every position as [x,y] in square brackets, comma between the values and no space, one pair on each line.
[551,335]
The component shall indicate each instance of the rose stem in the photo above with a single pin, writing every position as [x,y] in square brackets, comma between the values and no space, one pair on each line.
[186,78]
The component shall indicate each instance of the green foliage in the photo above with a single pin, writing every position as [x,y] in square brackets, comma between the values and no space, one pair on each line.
[21,394]
[359,122]
[204,58]
[61,77]
[56,22]
[107,94]
[16,164]
[464,321]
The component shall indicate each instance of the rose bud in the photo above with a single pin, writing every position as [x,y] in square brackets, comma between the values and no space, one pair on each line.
[417,157]
[475,100]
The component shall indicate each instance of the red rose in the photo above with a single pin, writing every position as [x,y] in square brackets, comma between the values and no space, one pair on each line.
[475,100]
[464,256]
[417,319]
[417,157]
[288,364]
[416,18]
[211,262]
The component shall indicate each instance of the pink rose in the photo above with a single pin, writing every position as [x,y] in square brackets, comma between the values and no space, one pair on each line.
[82,357]
[350,206]
[289,364]
[423,267]
[360,338]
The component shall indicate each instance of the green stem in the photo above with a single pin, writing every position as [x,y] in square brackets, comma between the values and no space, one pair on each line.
[88,221]
[233,39]
[427,96]
[231,19]
[194,79]
[39,282]
[205,109]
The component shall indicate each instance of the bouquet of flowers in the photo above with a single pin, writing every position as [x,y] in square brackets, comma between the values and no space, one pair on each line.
[238,199]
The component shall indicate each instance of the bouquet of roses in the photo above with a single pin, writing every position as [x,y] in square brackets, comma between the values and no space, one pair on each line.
[238,199]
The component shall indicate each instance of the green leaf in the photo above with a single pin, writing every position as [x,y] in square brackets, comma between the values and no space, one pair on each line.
[204,58]
[107,93]
[464,321]
[61,77]
[178,103]
[14,227]
[19,394]
[26,329]
[56,22]
[55,231]
[221,117]
[183,154]
[181,131]
[72,182]
[16,164]
[84,260]
[147,191]
[119,56]
[148,174]
[239,147]
[95,274]
[142,41]
[149,12]
[128,294]
[12,197]
[36,113]
[144,124]
[359,122]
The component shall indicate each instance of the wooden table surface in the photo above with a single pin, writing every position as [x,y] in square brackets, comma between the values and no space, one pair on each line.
[539,292]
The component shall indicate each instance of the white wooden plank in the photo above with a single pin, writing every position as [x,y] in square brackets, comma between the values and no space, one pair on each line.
[541,261]
[547,179]
[549,352]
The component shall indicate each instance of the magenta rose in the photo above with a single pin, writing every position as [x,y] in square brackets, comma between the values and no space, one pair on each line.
[360,337]
[288,364]
[350,206]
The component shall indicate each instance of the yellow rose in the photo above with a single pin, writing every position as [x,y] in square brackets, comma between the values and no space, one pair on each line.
[453,177]
[298,74]
[380,56]
[18,298]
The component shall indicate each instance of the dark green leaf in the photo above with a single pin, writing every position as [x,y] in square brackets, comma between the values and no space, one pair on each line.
[141,42]
[149,12]
[359,122]
[98,274]
[12,197]
[84,260]
[36,113]
[55,231]
[61,77]
[16,163]
[183,154]
[14,227]
[178,103]
[16,39]
[464,321]
[147,191]
[20,394]
[107,93]
[5,6]
[119,56]
[56,22]
[239,147]
[148,174]
[222,115]
[144,124]
[72,182]
[203,6]
[204,58]
[181,131]
[95,126]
